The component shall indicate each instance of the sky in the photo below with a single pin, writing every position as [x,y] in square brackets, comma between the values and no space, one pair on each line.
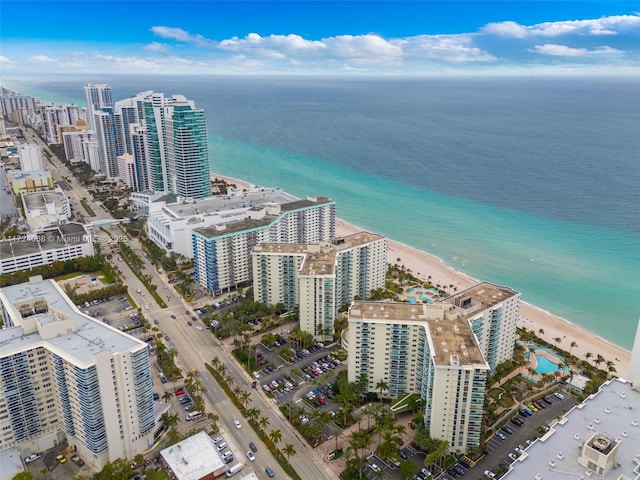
[312,38]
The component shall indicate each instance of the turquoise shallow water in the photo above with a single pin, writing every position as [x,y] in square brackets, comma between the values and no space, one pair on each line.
[586,274]
[530,183]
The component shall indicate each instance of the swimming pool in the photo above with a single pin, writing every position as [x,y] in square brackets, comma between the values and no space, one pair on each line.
[546,366]
[412,300]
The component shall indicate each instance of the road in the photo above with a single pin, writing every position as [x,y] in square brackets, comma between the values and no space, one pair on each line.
[195,348]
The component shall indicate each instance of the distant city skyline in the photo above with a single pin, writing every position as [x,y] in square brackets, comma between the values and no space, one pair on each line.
[264,37]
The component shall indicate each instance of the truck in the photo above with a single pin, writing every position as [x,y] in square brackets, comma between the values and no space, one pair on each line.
[234,469]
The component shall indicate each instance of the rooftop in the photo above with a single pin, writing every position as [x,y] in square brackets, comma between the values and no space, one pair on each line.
[610,416]
[452,340]
[193,458]
[320,258]
[33,174]
[62,235]
[40,199]
[479,297]
[87,338]
[221,203]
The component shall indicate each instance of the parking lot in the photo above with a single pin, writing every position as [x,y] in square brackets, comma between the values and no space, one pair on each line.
[504,451]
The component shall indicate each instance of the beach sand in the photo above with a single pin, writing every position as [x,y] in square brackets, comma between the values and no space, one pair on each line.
[424,265]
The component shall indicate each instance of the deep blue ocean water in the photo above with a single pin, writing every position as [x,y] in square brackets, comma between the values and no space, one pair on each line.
[527,182]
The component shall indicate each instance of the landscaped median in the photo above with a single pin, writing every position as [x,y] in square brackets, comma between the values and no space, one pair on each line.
[134,262]
[88,208]
[273,448]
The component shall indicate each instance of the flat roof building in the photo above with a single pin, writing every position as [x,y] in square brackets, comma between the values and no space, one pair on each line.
[493,312]
[319,278]
[194,458]
[66,375]
[222,253]
[599,438]
[424,349]
[32,181]
[45,208]
[172,219]
[66,241]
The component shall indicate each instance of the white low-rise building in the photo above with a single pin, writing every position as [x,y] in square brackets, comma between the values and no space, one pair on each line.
[63,242]
[599,438]
[46,208]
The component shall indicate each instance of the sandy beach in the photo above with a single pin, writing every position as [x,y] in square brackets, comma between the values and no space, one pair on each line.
[424,265]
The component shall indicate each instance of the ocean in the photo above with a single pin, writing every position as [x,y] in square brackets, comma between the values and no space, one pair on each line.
[531,183]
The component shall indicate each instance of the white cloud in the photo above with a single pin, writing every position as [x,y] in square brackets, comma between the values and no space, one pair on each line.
[4,59]
[565,51]
[180,35]
[450,48]
[134,62]
[612,25]
[40,59]
[156,47]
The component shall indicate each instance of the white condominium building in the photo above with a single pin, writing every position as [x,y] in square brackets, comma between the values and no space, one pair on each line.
[30,157]
[66,375]
[320,277]
[43,209]
[425,349]
[222,252]
[173,218]
[493,313]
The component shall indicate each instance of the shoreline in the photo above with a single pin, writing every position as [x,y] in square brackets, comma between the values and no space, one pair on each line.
[424,265]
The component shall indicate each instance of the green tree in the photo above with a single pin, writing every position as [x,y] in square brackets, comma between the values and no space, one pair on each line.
[23,476]
[289,450]
[116,470]
[275,436]
[408,469]
[381,386]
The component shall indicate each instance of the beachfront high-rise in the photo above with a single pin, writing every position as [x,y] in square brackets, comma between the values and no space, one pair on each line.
[493,312]
[98,98]
[176,148]
[67,375]
[423,349]
[319,278]
[222,252]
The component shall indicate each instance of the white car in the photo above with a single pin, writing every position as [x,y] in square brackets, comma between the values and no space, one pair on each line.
[237,423]
[251,456]
[199,328]
[489,473]
[32,458]
[374,467]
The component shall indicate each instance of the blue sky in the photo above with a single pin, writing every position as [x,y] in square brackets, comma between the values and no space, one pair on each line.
[332,37]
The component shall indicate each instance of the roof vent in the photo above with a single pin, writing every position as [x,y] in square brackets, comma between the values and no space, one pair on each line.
[634,423]
[623,395]
[625,434]
[577,436]
[538,476]
[560,455]
[607,410]
[590,426]
[596,420]
[552,464]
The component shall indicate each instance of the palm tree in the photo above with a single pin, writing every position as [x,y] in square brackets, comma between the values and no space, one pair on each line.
[222,368]
[275,436]
[264,422]
[169,420]
[289,450]
[587,356]
[253,413]
[382,385]
[541,331]
[243,398]
[573,345]
[166,396]
[599,359]
[557,340]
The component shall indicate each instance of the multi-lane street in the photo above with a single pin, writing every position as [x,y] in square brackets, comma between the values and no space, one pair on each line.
[195,348]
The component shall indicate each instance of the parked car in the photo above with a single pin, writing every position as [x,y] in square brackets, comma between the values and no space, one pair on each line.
[32,458]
